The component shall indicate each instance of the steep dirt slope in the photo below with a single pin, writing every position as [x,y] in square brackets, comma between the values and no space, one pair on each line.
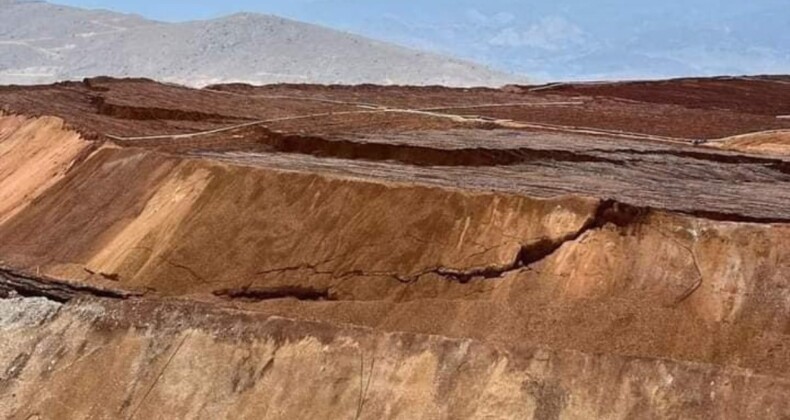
[166,362]
[34,155]
[373,253]
[425,264]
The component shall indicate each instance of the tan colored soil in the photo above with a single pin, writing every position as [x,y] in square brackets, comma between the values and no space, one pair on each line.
[412,268]
[768,143]
[34,155]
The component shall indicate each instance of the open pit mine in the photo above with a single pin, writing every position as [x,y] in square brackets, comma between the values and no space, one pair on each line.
[565,251]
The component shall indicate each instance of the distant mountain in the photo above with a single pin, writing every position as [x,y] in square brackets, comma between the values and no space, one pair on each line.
[43,43]
[578,39]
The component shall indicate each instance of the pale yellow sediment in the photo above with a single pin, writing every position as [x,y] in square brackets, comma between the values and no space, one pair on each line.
[34,155]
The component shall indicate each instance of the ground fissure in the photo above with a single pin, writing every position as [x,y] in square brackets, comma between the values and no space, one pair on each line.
[544,221]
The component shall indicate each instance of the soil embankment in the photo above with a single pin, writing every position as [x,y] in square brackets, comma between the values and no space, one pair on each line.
[393,271]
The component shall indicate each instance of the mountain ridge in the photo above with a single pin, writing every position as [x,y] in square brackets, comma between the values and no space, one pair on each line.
[243,47]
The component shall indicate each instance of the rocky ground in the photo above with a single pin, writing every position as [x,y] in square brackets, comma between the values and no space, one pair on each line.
[301,251]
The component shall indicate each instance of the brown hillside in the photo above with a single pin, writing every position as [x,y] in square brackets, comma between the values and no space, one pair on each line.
[299,251]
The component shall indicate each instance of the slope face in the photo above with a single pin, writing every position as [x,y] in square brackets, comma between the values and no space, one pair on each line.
[44,43]
[392,252]
[166,362]
[29,164]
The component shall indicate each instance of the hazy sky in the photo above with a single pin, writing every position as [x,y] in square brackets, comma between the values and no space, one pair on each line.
[179,10]
[551,39]
[309,9]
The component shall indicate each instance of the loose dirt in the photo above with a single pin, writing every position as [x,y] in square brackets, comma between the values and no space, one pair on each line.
[570,251]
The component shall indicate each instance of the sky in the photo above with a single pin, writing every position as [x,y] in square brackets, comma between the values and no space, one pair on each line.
[181,10]
[544,39]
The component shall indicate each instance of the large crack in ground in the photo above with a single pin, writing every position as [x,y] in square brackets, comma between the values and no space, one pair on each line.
[261,139]
[282,292]
[32,285]
[319,146]
[607,212]
[417,155]
[781,166]
[129,112]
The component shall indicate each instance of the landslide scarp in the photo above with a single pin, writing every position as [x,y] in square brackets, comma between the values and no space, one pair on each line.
[404,273]
[131,112]
[413,257]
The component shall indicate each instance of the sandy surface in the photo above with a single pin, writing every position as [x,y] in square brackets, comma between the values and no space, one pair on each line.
[594,271]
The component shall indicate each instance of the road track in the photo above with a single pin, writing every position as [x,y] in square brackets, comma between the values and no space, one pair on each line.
[428,112]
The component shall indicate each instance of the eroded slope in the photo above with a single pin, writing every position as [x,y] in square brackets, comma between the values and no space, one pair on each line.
[166,362]
[486,269]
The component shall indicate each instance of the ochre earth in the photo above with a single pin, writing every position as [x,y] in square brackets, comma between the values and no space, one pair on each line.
[369,252]
[774,142]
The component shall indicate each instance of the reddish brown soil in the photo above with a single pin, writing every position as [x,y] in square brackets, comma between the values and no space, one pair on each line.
[684,108]
[672,120]
[590,224]
[753,95]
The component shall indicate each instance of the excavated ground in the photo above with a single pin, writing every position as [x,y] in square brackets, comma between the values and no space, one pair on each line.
[296,251]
